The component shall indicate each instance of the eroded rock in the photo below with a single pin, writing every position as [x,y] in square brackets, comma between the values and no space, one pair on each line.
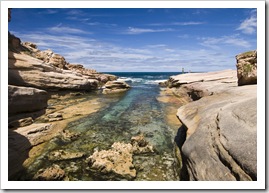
[247,68]
[117,162]
[59,155]
[53,173]
[115,87]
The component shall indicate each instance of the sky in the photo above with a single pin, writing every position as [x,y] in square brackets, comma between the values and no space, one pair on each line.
[141,39]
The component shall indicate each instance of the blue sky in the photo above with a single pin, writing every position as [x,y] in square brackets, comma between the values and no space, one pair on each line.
[114,39]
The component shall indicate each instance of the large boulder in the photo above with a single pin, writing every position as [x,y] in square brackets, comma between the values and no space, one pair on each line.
[26,99]
[220,139]
[115,87]
[247,68]
[25,70]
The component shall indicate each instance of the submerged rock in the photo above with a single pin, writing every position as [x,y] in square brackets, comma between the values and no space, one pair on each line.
[68,136]
[59,155]
[53,173]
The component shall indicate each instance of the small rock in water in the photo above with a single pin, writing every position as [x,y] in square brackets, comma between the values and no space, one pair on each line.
[68,136]
[64,155]
[53,173]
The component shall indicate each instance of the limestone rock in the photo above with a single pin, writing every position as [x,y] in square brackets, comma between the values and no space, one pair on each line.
[58,61]
[21,122]
[220,76]
[59,155]
[68,136]
[55,117]
[115,87]
[247,68]
[53,173]
[221,141]
[36,133]
[140,145]
[25,99]
[25,70]
[115,163]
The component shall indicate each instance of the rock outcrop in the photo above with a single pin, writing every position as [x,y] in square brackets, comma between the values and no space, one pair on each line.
[115,87]
[24,70]
[247,68]
[26,99]
[218,139]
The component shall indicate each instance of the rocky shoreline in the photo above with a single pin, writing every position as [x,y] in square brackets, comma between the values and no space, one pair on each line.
[45,93]
[217,116]
[218,136]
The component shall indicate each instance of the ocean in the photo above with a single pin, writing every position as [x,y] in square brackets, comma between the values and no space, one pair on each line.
[135,112]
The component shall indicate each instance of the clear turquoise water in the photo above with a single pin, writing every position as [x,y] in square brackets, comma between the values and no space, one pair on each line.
[125,115]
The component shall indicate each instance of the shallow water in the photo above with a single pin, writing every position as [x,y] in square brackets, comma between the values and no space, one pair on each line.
[125,115]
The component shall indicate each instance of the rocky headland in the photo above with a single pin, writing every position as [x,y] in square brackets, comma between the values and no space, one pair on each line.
[218,136]
[45,93]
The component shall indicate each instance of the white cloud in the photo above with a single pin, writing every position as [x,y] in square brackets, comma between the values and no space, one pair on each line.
[186,23]
[132,30]
[249,25]
[104,56]
[219,42]
[66,30]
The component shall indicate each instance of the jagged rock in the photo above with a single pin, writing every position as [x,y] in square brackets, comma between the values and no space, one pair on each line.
[68,136]
[221,141]
[116,163]
[44,55]
[53,173]
[59,155]
[21,122]
[113,164]
[25,70]
[80,69]
[140,145]
[25,99]
[247,68]
[115,87]
[58,61]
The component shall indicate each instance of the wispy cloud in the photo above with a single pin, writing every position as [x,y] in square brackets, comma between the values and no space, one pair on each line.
[218,42]
[49,11]
[66,30]
[249,25]
[104,56]
[133,31]
[186,23]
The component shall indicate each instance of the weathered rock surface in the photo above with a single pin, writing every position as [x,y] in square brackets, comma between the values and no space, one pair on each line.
[24,70]
[59,155]
[25,99]
[114,163]
[221,138]
[67,136]
[115,87]
[117,162]
[247,68]
[21,122]
[223,76]
[53,173]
